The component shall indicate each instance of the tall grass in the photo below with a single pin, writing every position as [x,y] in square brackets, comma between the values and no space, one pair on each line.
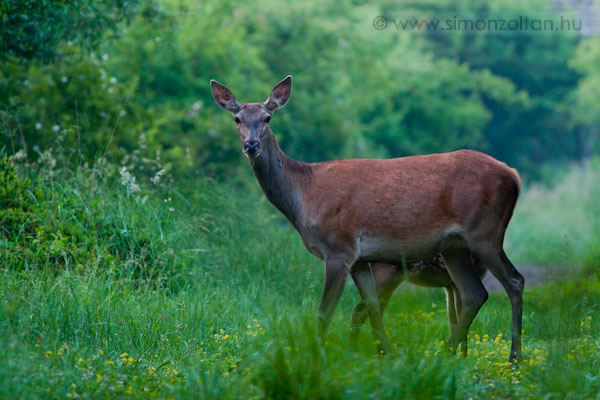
[201,290]
[559,225]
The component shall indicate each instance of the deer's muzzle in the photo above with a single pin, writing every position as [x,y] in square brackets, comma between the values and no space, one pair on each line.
[252,147]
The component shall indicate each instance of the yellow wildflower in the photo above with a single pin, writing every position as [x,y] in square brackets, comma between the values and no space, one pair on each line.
[62,349]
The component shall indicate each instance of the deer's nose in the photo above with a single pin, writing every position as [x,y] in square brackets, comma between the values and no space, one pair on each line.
[252,146]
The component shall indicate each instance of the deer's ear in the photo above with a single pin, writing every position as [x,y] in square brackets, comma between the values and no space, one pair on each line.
[280,94]
[224,98]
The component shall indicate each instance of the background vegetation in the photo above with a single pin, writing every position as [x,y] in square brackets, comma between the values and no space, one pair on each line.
[129,267]
[526,97]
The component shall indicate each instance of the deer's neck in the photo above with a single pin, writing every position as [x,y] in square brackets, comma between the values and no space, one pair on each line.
[282,179]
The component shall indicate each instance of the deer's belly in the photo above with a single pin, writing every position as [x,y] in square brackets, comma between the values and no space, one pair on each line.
[377,248]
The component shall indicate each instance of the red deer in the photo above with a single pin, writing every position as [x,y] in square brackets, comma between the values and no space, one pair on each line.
[430,273]
[355,211]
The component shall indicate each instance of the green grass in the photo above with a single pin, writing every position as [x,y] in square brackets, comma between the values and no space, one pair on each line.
[211,295]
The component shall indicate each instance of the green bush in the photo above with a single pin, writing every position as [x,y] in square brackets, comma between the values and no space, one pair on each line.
[53,220]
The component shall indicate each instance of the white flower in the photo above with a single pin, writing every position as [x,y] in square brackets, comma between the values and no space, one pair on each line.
[113,80]
[19,155]
[197,105]
[38,126]
[46,158]
[105,57]
[157,39]
[156,178]
[56,128]
[128,180]
[64,79]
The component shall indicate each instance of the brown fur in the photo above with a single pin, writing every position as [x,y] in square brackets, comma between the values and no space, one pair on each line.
[420,201]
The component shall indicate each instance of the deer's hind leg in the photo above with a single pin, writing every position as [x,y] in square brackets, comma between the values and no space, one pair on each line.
[513,282]
[470,293]
[453,307]
[464,349]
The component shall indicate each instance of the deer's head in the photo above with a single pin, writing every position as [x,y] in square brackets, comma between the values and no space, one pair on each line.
[252,119]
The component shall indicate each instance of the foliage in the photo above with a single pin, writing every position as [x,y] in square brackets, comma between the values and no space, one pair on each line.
[358,91]
[588,91]
[586,97]
[55,221]
[69,99]
[534,61]
[31,29]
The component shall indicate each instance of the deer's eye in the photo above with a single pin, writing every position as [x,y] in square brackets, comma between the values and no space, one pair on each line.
[267,118]
[236,119]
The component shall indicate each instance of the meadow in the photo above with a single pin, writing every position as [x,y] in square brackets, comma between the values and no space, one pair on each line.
[116,284]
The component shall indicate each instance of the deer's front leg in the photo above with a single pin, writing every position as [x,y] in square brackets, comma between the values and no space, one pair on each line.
[336,272]
[365,282]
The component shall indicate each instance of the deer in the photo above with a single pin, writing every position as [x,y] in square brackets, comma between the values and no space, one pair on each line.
[352,212]
[428,273]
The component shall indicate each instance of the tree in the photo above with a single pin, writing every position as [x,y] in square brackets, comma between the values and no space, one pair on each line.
[523,133]
[585,100]
[33,29]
